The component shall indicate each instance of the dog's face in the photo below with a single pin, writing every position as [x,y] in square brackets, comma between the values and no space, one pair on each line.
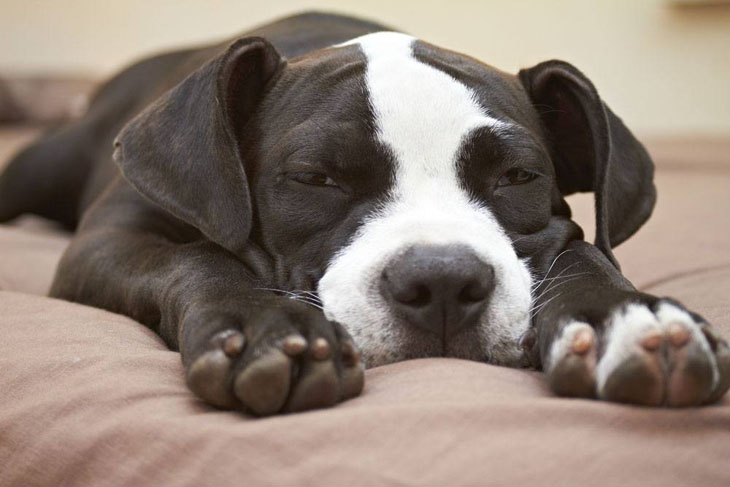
[418,191]
[390,176]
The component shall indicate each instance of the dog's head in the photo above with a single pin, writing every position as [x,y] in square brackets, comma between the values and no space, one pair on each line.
[418,191]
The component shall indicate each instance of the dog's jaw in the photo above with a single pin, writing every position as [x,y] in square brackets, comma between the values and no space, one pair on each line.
[424,116]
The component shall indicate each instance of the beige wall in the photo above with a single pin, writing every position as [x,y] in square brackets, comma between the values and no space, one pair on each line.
[664,69]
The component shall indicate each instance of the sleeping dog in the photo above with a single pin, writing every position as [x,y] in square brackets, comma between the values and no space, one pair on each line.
[324,194]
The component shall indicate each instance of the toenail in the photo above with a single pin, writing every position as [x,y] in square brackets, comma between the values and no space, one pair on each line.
[582,342]
[528,340]
[652,341]
[320,349]
[294,345]
[678,334]
[233,345]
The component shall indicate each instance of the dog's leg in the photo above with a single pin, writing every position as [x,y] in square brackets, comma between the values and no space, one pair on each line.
[599,337]
[241,347]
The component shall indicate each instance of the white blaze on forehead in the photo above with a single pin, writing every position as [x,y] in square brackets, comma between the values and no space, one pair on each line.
[422,114]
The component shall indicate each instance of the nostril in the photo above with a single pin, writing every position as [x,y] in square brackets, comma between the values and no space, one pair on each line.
[416,296]
[406,291]
[474,292]
[479,288]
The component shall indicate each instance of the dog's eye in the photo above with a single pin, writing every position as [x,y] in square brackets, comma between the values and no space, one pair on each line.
[516,176]
[313,179]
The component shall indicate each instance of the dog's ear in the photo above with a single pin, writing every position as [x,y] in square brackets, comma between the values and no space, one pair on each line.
[182,152]
[592,150]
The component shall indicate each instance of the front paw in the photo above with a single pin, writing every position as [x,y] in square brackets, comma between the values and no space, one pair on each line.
[270,359]
[651,354]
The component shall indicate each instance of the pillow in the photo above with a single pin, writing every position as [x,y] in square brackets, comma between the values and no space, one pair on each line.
[94,398]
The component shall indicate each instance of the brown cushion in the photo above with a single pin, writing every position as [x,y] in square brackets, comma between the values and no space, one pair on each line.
[93,398]
[31,249]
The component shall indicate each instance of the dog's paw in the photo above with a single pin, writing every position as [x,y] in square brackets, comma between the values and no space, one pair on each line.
[648,355]
[275,360]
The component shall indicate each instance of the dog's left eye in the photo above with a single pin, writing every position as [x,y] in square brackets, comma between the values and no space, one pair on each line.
[313,179]
[516,176]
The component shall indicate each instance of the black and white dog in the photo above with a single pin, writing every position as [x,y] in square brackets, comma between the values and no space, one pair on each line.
[323,182]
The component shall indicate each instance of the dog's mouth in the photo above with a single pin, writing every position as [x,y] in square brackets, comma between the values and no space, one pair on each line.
[408,341]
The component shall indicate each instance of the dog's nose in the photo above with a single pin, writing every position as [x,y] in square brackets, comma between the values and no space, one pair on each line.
[440,289]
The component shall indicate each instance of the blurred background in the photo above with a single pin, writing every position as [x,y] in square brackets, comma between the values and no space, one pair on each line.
[663,66]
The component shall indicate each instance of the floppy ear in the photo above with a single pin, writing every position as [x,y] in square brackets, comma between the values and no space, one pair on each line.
[182,152]
[592,150]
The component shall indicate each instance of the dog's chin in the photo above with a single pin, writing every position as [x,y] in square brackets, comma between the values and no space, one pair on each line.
[407,342]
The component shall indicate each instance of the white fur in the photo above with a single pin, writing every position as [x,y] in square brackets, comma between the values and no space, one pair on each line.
[424,116]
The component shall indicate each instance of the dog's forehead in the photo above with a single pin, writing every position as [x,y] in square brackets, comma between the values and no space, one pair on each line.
[420,102]
[421,112]
[428,104]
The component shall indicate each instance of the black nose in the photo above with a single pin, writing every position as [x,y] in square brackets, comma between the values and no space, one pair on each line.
[440,289]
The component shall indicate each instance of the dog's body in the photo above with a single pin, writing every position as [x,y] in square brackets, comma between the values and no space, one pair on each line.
[412,193]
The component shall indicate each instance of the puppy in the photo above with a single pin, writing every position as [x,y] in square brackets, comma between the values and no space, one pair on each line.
[323,193]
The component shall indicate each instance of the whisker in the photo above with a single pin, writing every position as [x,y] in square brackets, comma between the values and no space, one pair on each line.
[308,299]
[271,289]
[553,283]
[295,296]
[553,263]
[553,287]
[308,293]
[535,286]
[535,310]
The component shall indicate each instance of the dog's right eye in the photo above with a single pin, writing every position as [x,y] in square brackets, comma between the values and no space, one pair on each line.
[313,179]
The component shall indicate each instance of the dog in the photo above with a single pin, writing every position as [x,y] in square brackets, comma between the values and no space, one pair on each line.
[324,193]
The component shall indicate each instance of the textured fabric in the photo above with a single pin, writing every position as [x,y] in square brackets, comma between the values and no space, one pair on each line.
[93,398]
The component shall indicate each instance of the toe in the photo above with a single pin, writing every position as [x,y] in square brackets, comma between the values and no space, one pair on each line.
[263,385]
[637,380]
[353,381]
[317,387]
[632,368]
[353,370]
[208,378]
[722,358]
[571,370]
[721,351]
[690,369]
